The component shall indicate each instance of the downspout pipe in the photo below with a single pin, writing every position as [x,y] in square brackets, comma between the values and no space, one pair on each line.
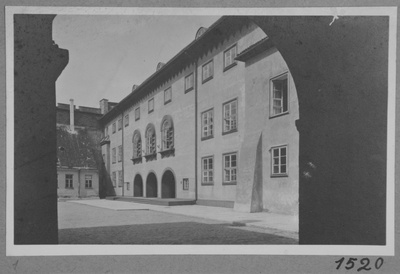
[195,132]
[122,153]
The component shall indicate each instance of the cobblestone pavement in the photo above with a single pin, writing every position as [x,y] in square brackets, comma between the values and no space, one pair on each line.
[82,224]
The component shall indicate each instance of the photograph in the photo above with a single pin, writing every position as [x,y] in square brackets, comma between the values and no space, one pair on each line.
[201,131]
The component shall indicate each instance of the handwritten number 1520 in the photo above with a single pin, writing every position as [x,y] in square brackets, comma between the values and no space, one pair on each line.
[364,262]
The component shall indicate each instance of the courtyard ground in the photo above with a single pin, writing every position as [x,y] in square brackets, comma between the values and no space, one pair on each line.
[80,223]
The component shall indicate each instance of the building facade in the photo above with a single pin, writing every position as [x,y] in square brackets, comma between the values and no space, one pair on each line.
[215,124]
[78,151]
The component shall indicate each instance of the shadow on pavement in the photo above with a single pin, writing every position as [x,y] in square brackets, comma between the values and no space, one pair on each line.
[169,233]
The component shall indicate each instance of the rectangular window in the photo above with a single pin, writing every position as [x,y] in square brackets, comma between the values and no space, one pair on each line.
[230,168]
[120,153]
[114,178]
[137,113]
[105,131]
[167,95]
[88,181]
[120,179]
[208,71]
[151,105]
[189,82]
[114,155]
[119,124]
[279,95]
[126,120]
[127,185]
[69,182]
[229,117]
[185,183]
[207,124]
[229,57]
[279,161]
[207,170]
[114,128]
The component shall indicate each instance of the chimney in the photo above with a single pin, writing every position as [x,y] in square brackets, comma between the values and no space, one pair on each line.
[71,115]
[103,106]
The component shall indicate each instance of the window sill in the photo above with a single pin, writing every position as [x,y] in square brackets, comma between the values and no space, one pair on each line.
[136,160]
[136,119]
[228,132]
[150,157]
[207,184]
[206,138]
[279,175]
[189,89]
[230,66]
[69,188]
[88,187]
[206,80]
[150,111]
[126,125]
[278,115]
[167,102]
[167,152]
[228,183]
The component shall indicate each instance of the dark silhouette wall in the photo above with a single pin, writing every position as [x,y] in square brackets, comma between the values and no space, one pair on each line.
[340,70]
[37,64]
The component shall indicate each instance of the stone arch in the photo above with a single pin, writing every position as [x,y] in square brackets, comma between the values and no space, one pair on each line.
[138,185]
[343,121]
[151,185]
[168,184]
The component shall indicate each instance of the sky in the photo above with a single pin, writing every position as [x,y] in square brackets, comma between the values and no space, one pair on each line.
[108,54]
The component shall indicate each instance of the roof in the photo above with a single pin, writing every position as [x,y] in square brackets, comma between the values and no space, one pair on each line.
[221,28]
[77,149]
[255,49]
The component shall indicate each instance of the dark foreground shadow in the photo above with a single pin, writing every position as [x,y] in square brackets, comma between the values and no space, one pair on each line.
[169,233]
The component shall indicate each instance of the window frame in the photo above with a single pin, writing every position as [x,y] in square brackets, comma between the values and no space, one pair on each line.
[165,92]
[148,105]
[280,174]
[185,184]
[119,122]
[137,113]
[164,135]
[271,95]
[114,178]
[114,155]
[135,146]
[234,62]
[207,170]
[119,153]
[204,80]
[202,124]
[120,178]
[187,89]
[224,182]
[105,131]
[149,147]
[114,127]
[69,182]
[224,132]
[126,117]
[88,182]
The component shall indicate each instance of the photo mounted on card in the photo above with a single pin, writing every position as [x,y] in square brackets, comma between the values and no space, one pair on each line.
[200,131]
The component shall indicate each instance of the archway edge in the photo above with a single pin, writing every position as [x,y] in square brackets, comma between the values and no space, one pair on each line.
[340,73]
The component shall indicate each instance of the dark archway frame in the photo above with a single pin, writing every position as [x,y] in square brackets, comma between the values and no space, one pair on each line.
[340,70]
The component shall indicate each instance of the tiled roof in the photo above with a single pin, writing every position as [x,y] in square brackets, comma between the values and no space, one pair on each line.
[76,149]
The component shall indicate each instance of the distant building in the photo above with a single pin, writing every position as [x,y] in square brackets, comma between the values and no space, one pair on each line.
[79,159]
[215,124]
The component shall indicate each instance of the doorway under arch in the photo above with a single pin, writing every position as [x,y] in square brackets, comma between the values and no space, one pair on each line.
[138,186]
[151,185]
[168,185]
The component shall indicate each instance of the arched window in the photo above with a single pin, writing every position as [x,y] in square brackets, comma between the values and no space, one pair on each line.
[150,140]
[137,145]
[167,133]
